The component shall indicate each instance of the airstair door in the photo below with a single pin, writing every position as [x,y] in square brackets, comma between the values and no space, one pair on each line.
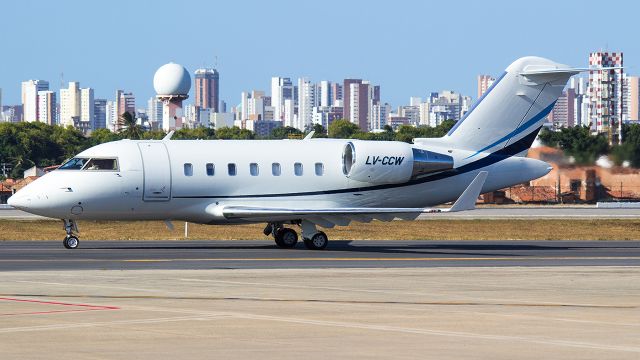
[157,171]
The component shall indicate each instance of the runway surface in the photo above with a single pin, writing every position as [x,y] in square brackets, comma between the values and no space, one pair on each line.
[567,312]
[224,254]
[506,212]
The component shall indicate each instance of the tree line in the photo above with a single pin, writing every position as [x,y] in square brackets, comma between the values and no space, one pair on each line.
[27,144]
[586,148]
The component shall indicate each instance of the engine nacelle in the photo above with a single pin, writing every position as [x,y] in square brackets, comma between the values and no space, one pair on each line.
[390,162]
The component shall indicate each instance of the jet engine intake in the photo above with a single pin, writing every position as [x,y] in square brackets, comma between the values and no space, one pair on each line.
[390,162]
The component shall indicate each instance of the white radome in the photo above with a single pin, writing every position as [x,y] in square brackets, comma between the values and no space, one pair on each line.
[172,79]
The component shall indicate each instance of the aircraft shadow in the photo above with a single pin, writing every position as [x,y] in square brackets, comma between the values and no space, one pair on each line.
[423,248]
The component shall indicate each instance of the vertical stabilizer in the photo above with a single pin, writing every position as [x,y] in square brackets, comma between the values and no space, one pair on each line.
[513,108]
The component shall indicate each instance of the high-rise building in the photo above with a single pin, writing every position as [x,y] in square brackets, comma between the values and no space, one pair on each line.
[411,112]
[244,105]
[126,103]
[191,116]
[154,111]
[632,99]
[379,115]
[484,83]
[347,98]
[47,107]
[324,92]
[306,103]
[207,89]
[580,101]
[605,93]
[446,105]
[111,113]
[288,112]
[30,90]
[281,90]
[336,95]
[99,114]
[87,107]
[563,113]
[265,127]
[70,104]
[255,106]
[424,113]
[358,103]
[359,99]
[325,115]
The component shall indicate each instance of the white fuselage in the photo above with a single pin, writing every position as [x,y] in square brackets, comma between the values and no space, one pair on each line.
[169,180]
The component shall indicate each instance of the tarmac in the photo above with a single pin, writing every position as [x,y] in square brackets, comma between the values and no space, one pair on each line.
[263,254]
[568,312]
[358,299]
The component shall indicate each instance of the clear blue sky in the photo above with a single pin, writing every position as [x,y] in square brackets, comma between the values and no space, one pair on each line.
[408,47]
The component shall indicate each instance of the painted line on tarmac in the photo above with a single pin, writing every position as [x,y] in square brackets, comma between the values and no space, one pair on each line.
[74,307]
[326,259]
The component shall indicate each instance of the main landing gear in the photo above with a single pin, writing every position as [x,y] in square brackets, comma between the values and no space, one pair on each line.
[288,238]
[70,241]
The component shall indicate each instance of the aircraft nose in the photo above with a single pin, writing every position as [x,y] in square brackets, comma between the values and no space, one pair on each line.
[19,201]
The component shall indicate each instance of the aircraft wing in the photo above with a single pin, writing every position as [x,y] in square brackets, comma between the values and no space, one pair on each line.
[329,217]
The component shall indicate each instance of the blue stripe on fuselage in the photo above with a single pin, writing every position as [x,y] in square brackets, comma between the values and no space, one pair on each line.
[504,153]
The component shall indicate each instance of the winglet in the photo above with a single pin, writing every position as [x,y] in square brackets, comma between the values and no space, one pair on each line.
[467,201]
[168,136]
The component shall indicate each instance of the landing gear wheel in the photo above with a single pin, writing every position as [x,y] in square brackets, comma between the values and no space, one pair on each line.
[319,241]
[71,242]
[286,238]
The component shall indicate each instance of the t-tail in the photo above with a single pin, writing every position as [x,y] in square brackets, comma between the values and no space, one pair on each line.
[512,111]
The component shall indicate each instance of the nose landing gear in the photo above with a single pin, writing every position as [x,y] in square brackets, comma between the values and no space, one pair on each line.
[70,241]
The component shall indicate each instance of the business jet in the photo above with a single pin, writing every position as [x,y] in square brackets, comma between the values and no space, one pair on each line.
[308,183]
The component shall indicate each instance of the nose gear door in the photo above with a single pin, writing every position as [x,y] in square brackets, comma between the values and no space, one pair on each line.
[157,171]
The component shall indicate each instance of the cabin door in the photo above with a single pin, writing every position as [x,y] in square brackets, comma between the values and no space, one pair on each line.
[157,171]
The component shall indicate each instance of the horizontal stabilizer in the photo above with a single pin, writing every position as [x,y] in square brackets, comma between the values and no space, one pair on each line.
[530,70]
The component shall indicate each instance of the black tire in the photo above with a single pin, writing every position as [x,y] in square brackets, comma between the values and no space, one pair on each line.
[319,241]
[286,238]
[71,242]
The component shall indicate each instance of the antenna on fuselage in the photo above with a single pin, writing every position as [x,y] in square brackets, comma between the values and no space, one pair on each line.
[309,135]
[168,136]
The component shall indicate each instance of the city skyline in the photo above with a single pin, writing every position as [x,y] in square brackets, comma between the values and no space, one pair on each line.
[433,63]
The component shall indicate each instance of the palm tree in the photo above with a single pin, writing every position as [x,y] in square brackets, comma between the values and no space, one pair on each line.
[128,126]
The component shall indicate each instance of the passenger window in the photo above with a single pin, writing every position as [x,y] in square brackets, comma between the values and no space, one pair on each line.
[210,169]
[319,169]
[188,169]
[101,164]
[275,169]
[253,169]
[232,169]
[297,169]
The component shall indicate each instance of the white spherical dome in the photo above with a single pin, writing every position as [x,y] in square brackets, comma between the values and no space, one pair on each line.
[172,79]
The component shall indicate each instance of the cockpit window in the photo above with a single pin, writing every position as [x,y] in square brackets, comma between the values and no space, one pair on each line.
[74,164]
[108,164]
